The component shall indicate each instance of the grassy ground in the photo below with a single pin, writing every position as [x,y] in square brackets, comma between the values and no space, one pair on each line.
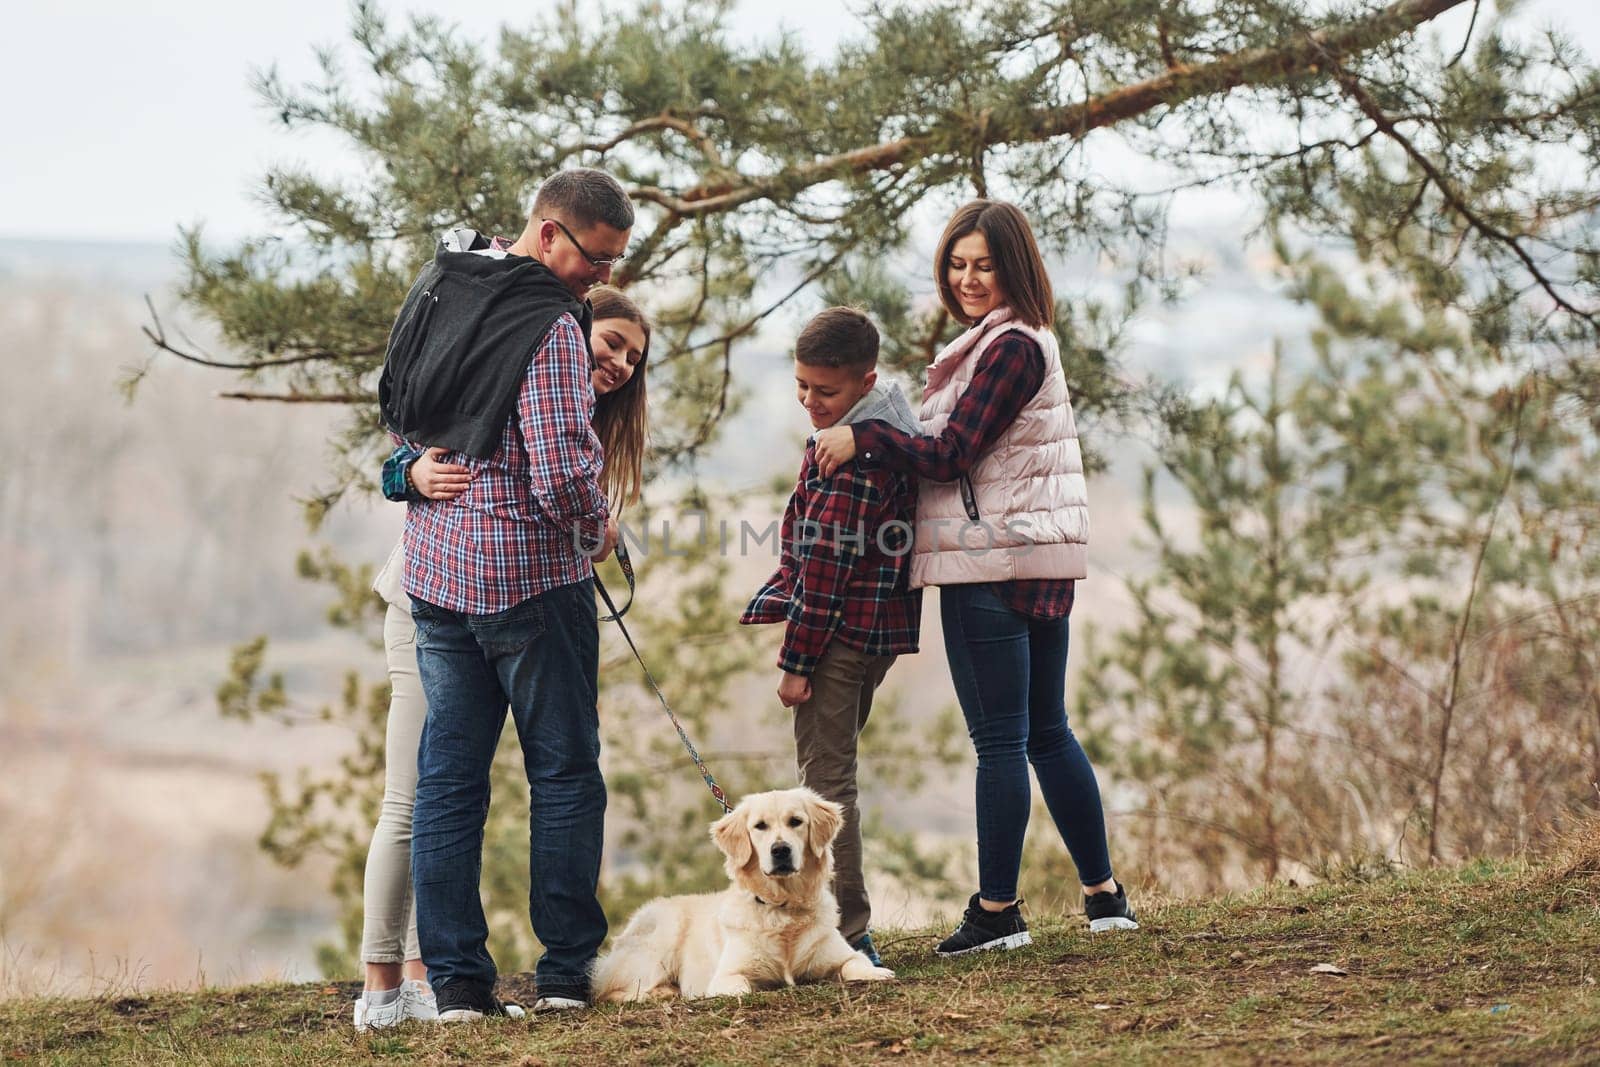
[1480,964]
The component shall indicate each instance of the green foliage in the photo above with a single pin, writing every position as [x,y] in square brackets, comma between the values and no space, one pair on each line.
[763,172]
[1194,701]
[1414,507]
[1484,656]
[243,694]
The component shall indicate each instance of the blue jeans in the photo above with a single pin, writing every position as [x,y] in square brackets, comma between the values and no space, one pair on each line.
[541,657]
[1010,676]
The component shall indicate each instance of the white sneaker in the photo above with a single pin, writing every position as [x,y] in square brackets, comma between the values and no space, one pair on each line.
[423,1005]
[415,1001]
[370,1016]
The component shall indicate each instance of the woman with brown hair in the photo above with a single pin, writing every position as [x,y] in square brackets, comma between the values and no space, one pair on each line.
[620,339]
[1003,527]
[396,986]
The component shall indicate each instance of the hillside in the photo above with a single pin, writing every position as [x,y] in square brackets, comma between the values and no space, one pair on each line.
[1474,964]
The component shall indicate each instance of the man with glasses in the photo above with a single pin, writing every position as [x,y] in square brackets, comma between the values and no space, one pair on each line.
[599,263]
[490,358]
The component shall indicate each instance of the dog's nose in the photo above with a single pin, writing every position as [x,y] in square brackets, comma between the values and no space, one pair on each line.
[781,851]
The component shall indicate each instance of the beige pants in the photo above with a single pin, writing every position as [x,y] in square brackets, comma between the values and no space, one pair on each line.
[389,925]
[826,728]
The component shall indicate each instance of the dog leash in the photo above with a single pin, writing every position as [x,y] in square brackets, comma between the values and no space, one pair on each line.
[616,616]
[627,572]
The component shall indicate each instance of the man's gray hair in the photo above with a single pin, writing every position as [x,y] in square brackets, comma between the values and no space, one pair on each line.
[583,196]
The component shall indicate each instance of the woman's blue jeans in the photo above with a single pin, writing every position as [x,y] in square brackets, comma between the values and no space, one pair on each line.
[1010,676]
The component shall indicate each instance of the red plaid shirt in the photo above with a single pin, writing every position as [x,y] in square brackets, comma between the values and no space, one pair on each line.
[515,532]
[1008,374]
[844,566]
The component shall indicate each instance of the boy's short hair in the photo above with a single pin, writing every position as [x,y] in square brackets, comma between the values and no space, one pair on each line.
[838,337]
[583,196]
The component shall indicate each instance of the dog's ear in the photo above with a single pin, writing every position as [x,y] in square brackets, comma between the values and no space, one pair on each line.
[823,826]
[732,838]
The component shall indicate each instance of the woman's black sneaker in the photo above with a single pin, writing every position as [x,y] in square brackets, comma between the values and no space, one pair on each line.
[464,1001]
[983,931]
[1109,911]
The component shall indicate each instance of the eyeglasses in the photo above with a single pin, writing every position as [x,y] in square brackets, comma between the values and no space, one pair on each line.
[594,261]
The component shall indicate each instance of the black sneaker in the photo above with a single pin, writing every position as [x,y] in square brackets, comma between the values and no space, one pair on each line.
[868,949]
[465,1001]
[1109,911]
[982,931]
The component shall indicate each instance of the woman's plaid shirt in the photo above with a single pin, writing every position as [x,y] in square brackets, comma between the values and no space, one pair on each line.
[844,566]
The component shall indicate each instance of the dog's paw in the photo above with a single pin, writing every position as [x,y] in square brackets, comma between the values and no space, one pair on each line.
[859,970]
[736,985]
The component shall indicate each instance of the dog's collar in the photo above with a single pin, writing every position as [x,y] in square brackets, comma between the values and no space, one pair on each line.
[768,903]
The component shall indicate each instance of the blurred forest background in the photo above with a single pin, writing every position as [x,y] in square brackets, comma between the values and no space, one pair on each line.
[1327,292]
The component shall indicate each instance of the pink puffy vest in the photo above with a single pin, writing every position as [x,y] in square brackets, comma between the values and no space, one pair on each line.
[1031,499]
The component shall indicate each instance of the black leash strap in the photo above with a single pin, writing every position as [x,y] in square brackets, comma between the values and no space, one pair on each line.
[627,572]
[616,616]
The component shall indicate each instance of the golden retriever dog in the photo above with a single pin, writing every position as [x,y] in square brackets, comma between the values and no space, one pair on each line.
[777,924]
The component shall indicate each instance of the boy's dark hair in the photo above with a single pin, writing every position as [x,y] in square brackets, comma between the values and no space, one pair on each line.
[583,196]
[1018,266]
[838,337]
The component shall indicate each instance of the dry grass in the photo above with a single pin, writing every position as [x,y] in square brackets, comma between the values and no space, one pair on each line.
[1575,861]
[1483,963]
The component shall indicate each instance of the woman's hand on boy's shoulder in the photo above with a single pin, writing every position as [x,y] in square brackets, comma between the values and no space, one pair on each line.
[835,447]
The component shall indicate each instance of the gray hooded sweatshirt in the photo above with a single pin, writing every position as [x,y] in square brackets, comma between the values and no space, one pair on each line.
[884,401]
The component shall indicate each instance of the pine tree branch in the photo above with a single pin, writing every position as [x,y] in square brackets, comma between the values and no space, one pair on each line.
[749,324]
[1454,198]
[1466,40]
[1165,42]
[638,258]
[158,338]
[667,120]
[1303,54]
[301,398]
[1256,164]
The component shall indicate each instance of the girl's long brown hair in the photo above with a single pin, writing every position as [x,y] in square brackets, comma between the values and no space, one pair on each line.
[1018,266]
[620,419]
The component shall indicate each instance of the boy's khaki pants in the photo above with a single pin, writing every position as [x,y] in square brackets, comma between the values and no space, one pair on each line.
[825,731]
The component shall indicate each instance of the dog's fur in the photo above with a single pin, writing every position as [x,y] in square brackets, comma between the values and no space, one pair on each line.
[778,923]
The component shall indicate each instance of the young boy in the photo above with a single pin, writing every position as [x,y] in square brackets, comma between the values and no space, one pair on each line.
[842,584]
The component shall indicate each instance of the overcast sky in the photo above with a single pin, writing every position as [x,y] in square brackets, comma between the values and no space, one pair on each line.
[123,121]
